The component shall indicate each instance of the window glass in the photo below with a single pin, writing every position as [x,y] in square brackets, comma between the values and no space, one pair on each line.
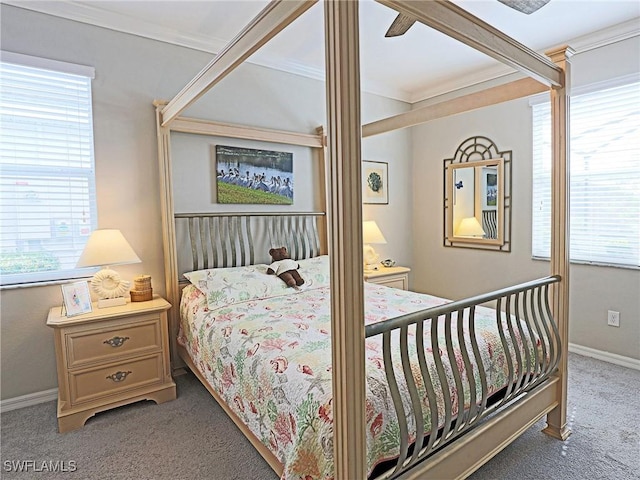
[604,177]
[47,175]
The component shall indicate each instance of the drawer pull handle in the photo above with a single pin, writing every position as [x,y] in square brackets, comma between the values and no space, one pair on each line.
[118,376]
[116,341]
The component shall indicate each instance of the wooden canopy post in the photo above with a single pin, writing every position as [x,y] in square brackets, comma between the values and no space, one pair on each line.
[345,246]
[557,418]
[323,164]
[172,291]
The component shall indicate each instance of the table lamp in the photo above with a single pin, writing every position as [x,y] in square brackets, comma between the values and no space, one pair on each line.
[371,234]
[470,227]
[104,248]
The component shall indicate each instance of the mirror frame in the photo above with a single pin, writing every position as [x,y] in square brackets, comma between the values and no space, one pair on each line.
[474,152]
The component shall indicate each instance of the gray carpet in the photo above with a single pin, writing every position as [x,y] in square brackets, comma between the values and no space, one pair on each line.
[192,438]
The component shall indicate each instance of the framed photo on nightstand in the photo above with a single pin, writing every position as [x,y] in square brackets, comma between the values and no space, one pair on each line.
[77,298]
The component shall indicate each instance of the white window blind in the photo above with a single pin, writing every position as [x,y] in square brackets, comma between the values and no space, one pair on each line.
[604,177]
[47,176]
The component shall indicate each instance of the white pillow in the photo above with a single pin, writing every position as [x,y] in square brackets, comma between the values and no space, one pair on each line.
[226,286]
[315,271]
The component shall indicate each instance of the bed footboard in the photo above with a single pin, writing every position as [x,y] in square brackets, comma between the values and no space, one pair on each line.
[443,340]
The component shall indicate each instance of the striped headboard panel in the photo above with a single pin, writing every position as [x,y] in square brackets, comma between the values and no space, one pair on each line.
[214,240]
[490,223]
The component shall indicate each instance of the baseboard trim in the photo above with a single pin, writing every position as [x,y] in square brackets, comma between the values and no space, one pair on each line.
[605,356]
[28,400]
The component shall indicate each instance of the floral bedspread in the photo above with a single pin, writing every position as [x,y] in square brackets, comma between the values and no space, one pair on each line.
[270,360]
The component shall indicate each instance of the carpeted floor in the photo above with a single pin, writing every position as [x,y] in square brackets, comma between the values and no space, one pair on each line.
[192,438]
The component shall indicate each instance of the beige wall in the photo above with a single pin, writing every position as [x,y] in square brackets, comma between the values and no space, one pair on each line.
[457,272]
[130,73]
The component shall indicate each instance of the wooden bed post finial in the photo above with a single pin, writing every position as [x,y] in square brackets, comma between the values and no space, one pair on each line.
[557,418]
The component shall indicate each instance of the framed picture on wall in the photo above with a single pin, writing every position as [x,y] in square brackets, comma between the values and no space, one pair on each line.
[255,176]
[375,182]
[489,188]
[77,299]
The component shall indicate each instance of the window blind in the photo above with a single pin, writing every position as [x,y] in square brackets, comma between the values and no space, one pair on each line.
[47,175]
[604,177]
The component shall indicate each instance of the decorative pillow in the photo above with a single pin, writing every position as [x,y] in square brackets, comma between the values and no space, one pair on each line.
[315,271]
[226,286]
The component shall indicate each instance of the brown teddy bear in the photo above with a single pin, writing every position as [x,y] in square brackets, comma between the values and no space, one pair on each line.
[284,267]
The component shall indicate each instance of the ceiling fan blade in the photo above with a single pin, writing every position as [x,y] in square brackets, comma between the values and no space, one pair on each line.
[525,6]
[400,25]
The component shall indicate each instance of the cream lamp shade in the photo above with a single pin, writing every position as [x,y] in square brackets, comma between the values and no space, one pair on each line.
[371,234]
[104,248]
[470,227]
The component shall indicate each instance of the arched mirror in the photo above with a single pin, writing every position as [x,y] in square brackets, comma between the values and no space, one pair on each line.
[477,196]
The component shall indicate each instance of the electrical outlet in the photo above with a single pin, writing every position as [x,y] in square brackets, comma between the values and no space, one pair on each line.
[613,318]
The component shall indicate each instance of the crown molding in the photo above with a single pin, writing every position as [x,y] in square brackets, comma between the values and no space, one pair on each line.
[601,38]
[87,12]
[469,79]
[369,85]
[607,36]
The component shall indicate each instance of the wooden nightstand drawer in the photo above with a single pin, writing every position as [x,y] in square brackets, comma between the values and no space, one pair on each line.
[107,344]
[394,277]
[99,382]
[400,283]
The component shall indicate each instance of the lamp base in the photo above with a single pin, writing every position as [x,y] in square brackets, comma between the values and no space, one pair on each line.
[111,302]
[370,257]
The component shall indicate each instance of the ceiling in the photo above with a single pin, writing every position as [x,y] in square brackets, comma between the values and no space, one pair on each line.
[420,64]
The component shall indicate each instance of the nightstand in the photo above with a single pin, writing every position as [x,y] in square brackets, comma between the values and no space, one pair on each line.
[396,277]
[111,357]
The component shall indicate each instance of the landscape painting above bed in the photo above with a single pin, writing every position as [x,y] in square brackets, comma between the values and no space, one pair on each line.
[253,176]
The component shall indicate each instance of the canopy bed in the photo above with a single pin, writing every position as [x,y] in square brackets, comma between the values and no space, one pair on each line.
[429,363]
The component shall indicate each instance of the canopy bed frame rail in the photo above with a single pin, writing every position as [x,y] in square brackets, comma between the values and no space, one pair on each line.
[345,133]
[527,332]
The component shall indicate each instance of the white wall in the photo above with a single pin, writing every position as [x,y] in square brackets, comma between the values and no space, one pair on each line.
[130,73]
[457,272]
[394,219]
